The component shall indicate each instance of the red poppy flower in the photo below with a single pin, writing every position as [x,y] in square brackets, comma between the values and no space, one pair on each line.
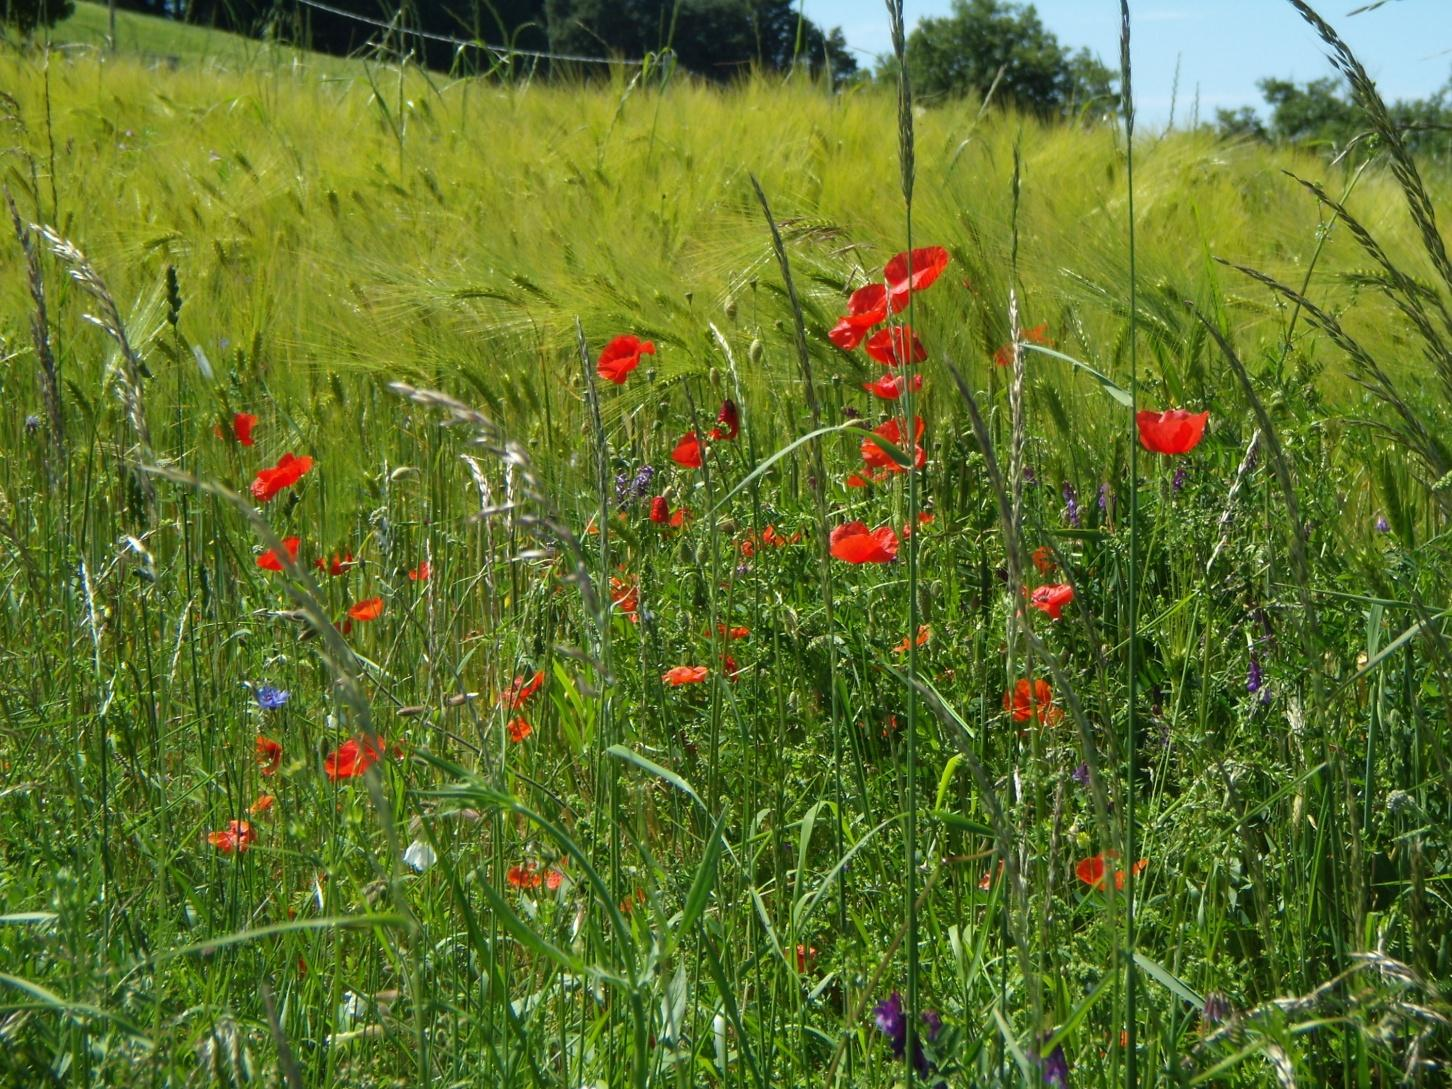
[1052,599]
[855,543]
[287,472]
[730,420]
[846,335]
[625,596]
[524,877]
[806,958]
[370,608]
[1173,431]
[730,668]
[660,510]
[687,453]
[1043,558]
[236,838]
[684,674]
[896,345]
[554,878]
[1032,702]
[730,633]
[925,518]
[421,573]
[269,755]
[856,480]
[1039,334]
[340,564]
[927,263]
[519,729]
[263,803]
[272,561]
[352,758]
[924,634]
[891,386]
[242,425]
[878,458]
[867,306]
[621,356]
[681,517]
[1092,871]
[518,693]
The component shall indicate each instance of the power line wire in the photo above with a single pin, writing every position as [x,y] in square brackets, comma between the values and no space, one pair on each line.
[497,50]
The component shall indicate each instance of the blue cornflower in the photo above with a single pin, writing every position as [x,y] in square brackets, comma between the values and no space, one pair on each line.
[270,698]
[32,424]
[1382,526]
[1080,774]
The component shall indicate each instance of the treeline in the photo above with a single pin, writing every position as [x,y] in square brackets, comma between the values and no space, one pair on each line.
[1323,113]
[716,39]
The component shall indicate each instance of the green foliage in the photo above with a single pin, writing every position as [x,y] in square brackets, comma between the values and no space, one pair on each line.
[718,39]
[1321,113]
[1000,44]
[27,16]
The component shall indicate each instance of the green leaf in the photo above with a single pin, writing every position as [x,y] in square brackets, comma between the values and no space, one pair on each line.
[620,752]
[1118,392]
[1170,982]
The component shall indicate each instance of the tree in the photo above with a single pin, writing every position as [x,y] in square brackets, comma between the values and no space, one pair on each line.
[1322,113]
[962,53]
[717,39]
[26,15]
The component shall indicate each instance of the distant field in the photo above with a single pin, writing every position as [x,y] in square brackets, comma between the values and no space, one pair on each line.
[318,825]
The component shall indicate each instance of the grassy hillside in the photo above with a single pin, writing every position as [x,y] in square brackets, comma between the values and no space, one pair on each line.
[615,879]
[168,43]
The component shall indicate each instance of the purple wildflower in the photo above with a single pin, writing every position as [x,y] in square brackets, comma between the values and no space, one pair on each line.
[1253,678]
[1382,526]
[891,1021]
[270,698]
[1080,774]
[1179,482]
[1217,1008]
[631,489]
[1055,1068]
[1106,499]
[1071,505]
[32,424]
[1029,476]
[851,413]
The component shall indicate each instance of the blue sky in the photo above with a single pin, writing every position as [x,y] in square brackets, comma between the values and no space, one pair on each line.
[1223,46]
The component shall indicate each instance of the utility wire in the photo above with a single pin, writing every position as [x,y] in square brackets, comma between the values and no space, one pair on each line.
[498,50]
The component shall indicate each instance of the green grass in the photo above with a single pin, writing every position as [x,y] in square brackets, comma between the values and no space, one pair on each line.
[168,43]
[336,229]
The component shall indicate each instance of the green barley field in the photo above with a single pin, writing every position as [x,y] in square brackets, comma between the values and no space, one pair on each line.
[389,697]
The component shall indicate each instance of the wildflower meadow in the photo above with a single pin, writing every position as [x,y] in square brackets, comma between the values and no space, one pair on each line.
[632,583]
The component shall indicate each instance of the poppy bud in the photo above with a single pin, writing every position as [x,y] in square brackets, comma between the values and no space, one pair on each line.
[660,510]
[730,309]
[755,352]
